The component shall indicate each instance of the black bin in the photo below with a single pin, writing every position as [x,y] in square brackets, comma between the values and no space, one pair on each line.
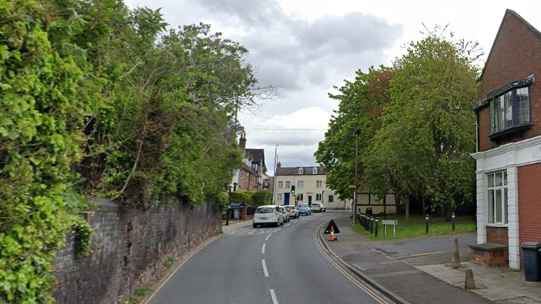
[532,261]
[368,211]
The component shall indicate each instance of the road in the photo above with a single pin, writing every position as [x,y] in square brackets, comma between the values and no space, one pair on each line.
[267,265]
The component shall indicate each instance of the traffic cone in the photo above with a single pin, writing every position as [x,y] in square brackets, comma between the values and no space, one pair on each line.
[331,238]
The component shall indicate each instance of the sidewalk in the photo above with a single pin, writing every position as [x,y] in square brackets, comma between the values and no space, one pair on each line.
[427,277]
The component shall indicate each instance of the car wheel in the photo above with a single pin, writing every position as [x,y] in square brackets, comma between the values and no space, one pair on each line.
[255,225]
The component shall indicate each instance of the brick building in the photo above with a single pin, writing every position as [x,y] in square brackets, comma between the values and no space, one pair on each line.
[508,157]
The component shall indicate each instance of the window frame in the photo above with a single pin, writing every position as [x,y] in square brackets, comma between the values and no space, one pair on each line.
[497,190]
[505,102]
[288,184]
[300,184]
[318,197]
[319,184]
[280,184]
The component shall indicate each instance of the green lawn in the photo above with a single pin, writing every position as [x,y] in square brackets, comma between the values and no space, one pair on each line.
[417,227]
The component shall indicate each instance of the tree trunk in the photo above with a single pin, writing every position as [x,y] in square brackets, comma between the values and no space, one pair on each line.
[407,209]
[424,203]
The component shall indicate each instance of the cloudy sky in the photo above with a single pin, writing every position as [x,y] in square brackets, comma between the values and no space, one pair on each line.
[305,47]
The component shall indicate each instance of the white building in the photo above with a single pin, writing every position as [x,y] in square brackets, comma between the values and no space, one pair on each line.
[309,184]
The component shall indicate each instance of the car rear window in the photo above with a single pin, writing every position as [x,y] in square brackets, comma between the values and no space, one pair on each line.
[265,210]
[289,208]
[302,205]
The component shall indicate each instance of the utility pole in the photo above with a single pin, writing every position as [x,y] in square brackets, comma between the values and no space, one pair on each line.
[357,133]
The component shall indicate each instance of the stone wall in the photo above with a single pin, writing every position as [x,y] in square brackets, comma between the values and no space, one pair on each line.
[129,250]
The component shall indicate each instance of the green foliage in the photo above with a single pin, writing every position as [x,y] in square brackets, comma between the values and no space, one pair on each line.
[428,131]
[168,127]
[98,100]
[262,197]
[242,197]
[83,237]
[45,93]
[361,105]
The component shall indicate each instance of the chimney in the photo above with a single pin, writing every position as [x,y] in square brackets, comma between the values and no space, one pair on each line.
[279,165]
[242,141]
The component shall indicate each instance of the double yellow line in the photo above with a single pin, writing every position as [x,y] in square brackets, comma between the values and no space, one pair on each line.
[369,291]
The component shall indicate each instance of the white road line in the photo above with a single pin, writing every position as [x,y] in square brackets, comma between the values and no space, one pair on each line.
[265,271]
[263,249]
[268,237]
[273,296]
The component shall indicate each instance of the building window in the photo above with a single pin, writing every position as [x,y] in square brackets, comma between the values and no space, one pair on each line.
[318,197]
[319,184]
[300,197]
[288,184]
[510,106]
[300,184]
[331,199]
[314,170]
[280,184]
[279,197]
[497,198]
[301,171]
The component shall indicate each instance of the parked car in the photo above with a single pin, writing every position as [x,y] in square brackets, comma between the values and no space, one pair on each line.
[318,207]
[304,209]
[285,214]
[293,213]
[268,215]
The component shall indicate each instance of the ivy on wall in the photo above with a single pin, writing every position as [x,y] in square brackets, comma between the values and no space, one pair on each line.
[95,106]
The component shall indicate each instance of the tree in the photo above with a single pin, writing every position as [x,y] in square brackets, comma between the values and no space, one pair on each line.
[361,104]
[428,131]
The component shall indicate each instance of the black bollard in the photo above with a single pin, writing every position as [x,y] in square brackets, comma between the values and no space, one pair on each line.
[371,224]
[426,221]
[227,216]
[377,220]
[453,218]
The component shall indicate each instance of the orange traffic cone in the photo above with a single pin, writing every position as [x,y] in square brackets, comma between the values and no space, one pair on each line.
[331,238]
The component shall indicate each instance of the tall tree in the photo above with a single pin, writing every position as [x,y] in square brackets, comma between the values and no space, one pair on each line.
[428,132]
[361,105]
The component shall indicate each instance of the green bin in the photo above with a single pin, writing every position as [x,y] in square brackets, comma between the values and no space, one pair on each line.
[532,261]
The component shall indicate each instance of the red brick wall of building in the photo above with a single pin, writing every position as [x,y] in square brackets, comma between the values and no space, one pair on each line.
[529,205]
[497,235]
[515,55]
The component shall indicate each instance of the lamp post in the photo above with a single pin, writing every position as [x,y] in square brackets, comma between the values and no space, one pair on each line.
[357,133]
[274,180]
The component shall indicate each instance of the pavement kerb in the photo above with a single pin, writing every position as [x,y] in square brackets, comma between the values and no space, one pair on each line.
[360,274]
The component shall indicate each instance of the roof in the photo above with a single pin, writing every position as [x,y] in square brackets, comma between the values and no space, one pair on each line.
[510,13]
[295,170]
[258,156]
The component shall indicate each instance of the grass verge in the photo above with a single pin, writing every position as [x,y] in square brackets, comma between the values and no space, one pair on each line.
[417,227]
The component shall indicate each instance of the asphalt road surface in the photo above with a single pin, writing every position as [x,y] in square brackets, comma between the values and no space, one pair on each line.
[267,265]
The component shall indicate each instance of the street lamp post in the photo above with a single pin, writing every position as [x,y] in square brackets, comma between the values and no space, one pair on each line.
[357,133]
[274,180]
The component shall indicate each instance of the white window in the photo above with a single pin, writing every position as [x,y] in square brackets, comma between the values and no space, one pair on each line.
[319,184]
[314,170]
[300,197]
[497,198]
[280,184]
[279,197]
[288,184]
[301,171]
[318,197]
[300,184]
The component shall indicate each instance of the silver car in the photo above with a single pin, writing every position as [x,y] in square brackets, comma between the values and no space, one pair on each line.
[293,212]
[268,215]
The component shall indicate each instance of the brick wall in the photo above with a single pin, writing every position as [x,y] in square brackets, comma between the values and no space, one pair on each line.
[497,235]
[529,206]
[515,55]
[130,248]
